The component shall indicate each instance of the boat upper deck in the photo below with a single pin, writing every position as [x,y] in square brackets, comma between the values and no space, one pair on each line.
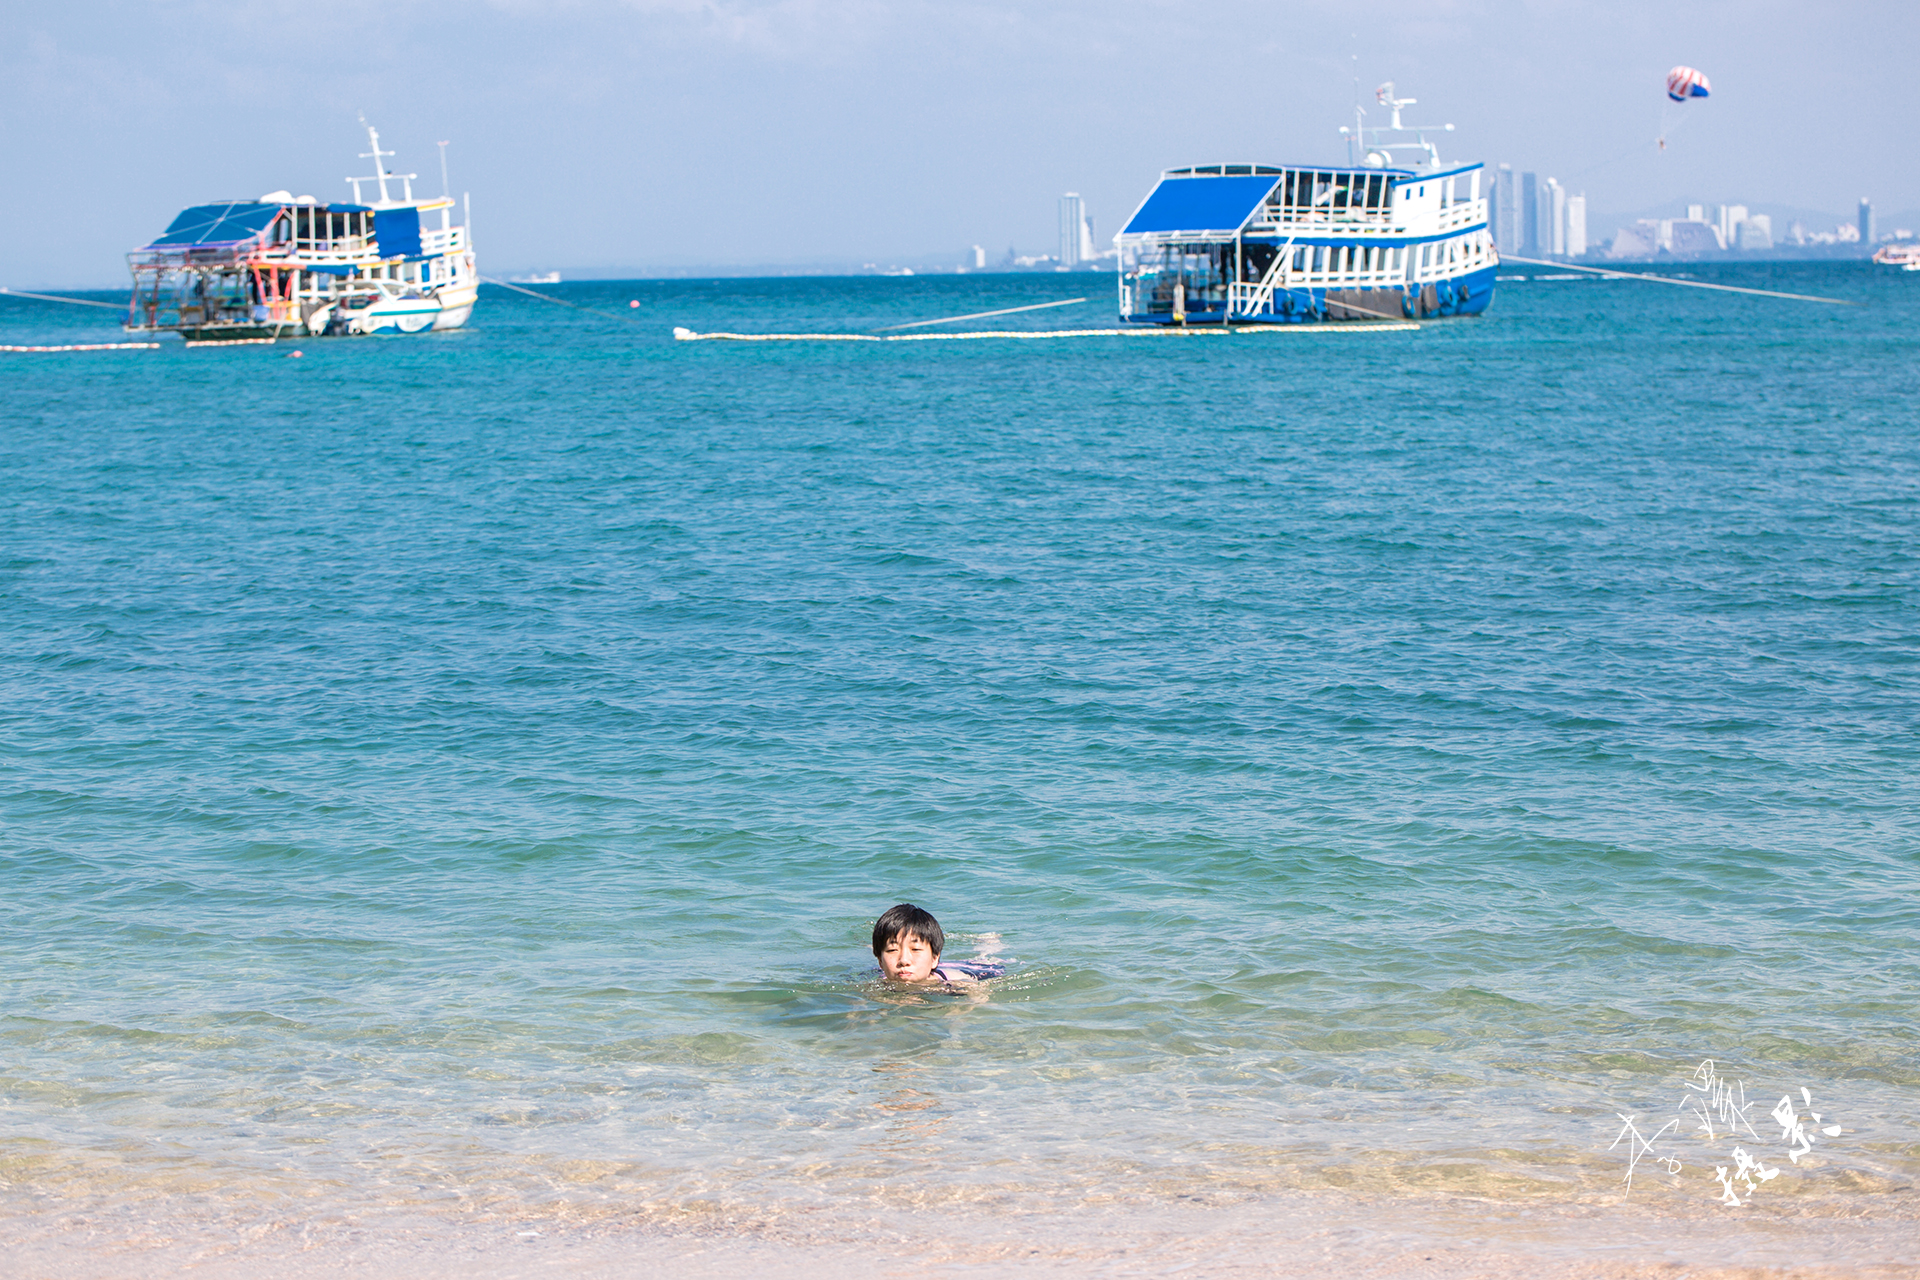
[300,232]
[1218,203]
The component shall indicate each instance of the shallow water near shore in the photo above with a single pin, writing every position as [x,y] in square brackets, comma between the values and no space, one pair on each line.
[454,777]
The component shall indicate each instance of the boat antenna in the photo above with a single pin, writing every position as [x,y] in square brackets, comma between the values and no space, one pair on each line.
[1357,141]
[379,169]
[380,173]
[446,188]
[1387,98]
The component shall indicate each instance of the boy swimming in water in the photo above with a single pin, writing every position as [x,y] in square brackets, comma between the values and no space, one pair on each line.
[908,941]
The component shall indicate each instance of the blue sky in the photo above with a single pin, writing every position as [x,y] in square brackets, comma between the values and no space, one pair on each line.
[658,133]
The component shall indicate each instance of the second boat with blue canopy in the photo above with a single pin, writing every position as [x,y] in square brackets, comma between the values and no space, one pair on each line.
[1374,239]
[287,266]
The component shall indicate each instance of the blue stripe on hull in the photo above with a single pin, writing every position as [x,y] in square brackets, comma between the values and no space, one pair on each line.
[1466,295]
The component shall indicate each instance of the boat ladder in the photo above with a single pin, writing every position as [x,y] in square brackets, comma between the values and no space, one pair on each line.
[1251,299]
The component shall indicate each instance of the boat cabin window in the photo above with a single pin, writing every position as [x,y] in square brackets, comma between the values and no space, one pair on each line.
[1303,193]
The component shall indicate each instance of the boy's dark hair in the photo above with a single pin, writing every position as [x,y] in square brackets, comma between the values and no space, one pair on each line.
[909,919]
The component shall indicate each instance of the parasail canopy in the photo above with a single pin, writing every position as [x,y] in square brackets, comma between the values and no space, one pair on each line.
[1685,82]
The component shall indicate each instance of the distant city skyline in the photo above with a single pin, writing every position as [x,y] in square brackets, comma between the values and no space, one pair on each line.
[711,131]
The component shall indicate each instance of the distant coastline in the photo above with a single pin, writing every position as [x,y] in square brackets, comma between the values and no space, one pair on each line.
[1733,257]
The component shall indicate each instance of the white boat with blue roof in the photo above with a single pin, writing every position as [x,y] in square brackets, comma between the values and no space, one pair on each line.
[287,266]
[1394,234]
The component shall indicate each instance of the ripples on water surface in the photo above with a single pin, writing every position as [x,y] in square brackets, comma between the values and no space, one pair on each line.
[461,772]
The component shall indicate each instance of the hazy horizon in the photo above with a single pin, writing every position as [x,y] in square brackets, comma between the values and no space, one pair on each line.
[668,133]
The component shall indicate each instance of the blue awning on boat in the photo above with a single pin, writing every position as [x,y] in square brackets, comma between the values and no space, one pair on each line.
[328,268]
[397,232]
[218,223]
[1220,205]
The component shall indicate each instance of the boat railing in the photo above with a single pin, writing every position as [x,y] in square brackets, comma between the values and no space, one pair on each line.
[436,241]
[1246,299]
[1464,214]
[1272,220]
[1295,219]
[324,250]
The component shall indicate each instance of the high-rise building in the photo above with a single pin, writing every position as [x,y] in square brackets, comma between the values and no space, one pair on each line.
[1508,234]
[1731,216]
[1553,214]
[1073,217]
[1530,215]
[1756,232]
[979,258]
[1866,220]
[1087,251]
[1576,226]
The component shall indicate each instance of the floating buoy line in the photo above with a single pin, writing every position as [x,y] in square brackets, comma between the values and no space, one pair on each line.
[1155,331]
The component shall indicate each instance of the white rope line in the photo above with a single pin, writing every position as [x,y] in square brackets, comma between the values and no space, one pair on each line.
[979,315]
[1331,303]
[1691,284]
[78,302]
[547,297]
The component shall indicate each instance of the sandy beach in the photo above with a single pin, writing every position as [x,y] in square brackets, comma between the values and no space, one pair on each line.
[1312,1237]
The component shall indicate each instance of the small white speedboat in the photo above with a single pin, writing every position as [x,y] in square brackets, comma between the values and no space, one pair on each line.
[376,307]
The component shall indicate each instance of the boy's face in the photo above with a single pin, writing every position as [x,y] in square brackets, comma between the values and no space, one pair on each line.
[908,958]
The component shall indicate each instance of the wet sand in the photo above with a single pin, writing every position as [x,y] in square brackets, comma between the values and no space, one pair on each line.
[1313,1237]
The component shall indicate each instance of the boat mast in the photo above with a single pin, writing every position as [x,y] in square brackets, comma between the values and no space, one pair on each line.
[380,173]
[1385,95]
[379,170]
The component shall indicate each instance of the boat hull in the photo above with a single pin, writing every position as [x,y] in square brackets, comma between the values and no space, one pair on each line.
[1465,295]
[398,316]
[455,306]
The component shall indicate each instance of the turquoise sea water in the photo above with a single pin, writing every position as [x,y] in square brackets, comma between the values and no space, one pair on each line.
[458,774]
